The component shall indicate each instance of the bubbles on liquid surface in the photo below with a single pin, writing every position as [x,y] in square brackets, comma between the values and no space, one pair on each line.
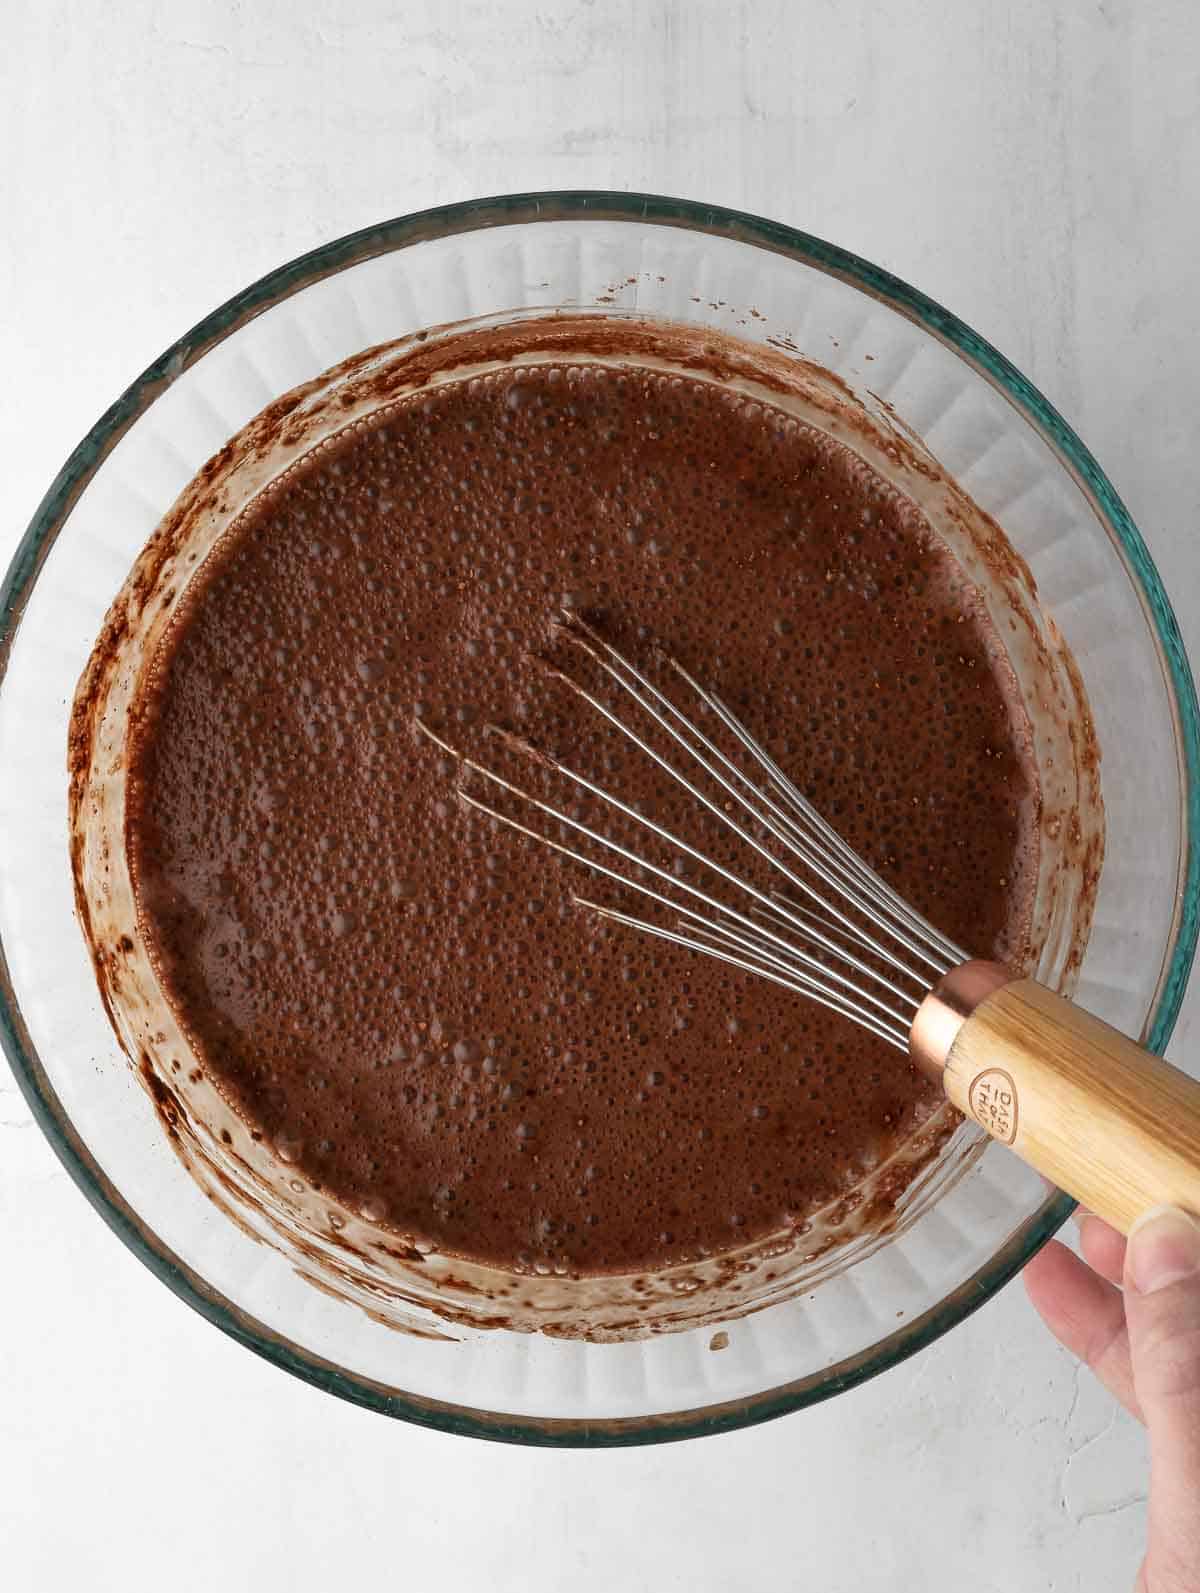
[403,995]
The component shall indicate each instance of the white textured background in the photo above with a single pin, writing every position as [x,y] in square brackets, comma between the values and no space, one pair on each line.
[1039,174]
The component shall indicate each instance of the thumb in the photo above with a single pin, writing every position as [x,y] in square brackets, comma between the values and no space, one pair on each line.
[1162,1308]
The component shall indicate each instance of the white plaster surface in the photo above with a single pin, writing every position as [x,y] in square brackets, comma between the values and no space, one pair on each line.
[1035,167]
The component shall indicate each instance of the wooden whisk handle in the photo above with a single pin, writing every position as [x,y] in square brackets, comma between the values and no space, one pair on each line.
[1112,1124]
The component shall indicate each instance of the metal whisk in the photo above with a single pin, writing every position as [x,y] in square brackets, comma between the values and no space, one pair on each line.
[1112,1124]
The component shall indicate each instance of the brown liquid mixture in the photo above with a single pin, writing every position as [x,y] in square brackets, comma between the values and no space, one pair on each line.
[400,994]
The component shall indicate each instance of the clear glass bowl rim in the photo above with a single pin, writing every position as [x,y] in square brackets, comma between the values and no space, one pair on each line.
[582,206]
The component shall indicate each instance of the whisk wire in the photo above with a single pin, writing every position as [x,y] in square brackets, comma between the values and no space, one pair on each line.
[860,878]
[797,954]
[820,954]
[799,844]
[719,934]
[705,941]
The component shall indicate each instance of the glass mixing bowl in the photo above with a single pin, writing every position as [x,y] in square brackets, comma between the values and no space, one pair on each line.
[667,259]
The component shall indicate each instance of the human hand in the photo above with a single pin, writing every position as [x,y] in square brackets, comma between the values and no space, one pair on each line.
[1131,1311]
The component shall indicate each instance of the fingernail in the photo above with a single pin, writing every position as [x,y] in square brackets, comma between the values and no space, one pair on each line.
[1081,1215]
[1164,1248]
[1083,1219]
